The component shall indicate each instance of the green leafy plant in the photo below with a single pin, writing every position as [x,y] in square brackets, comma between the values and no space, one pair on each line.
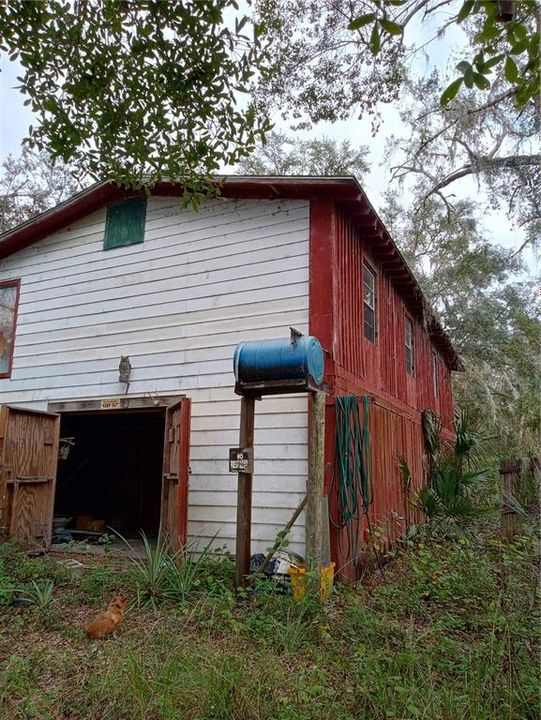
[7,586]
[448,499]
[150,573]
[40,594]
[126,90]
[165,575]
[184,573]
[106,541]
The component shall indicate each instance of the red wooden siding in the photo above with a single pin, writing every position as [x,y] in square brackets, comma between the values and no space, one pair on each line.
[356,366]
[381,366]
[392,435]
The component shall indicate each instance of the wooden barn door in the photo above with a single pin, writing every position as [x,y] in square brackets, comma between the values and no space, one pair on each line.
[28,460]
[176,457]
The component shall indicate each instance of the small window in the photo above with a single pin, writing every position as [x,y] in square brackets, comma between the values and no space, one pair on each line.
[408,332]
[9,299]
[369,303]
[125,223]
[436,375]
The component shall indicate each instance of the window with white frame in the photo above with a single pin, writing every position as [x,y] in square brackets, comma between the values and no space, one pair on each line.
[369,303]
[408,340]
[436,375]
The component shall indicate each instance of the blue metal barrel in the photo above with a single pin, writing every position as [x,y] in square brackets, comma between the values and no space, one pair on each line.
[279,359]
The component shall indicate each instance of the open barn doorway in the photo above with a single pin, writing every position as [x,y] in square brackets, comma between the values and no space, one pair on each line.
[124,470]
[109,474]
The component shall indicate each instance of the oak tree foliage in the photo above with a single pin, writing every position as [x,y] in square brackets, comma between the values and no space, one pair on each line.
[30,184]
[477,143]
[137,91]
[283,154]
[335,59]
[490,307]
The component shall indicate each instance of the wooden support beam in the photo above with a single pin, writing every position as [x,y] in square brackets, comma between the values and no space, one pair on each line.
[314,489]
[244,495]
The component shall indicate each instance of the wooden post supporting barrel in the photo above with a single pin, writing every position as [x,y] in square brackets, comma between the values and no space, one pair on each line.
[314,487]
[275,367]
[244,493]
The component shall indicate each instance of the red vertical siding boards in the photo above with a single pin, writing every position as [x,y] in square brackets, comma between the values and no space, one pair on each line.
[382,363]
[321,299]
[321,274]
[391,435]
[355,366]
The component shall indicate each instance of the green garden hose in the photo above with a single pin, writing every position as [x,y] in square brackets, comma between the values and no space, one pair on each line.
[352,469]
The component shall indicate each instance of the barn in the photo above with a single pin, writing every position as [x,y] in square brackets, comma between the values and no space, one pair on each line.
[119,316]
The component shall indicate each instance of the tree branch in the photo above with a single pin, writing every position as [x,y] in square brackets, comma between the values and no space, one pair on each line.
[509,162]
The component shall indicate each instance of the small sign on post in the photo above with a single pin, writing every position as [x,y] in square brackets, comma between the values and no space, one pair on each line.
[240,460]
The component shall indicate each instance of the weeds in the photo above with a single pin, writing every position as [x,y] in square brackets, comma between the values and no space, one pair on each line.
[100,583]
[163,575]
[451,632]
[40,594]
[7,586]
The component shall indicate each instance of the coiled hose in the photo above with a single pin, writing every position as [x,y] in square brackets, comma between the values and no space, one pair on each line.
[352,469]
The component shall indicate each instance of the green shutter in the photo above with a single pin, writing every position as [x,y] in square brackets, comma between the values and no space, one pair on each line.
[125,223]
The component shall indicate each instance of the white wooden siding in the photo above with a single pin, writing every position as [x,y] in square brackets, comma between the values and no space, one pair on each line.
[177,305]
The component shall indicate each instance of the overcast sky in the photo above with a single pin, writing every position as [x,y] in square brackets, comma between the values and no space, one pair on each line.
[15,120]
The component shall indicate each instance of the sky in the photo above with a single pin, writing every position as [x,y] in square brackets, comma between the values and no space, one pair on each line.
[15,120]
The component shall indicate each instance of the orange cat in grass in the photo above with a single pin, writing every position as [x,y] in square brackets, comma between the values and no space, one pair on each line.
[106,621]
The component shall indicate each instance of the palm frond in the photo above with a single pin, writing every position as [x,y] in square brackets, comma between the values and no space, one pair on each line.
[432,433]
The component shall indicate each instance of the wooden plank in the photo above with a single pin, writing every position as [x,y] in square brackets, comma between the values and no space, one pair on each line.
[270,451]
[512,472]
[127,403]
[184,470]
[187,331]
[267,288]
[314,487]
[162,301]
[190,333]
[5,478]
[223,229]
[156,286]
[30,449]
[175,474]
[220,260]
[263,498]
[244,495]
[261,532]
[214,512]
[267,484]
[30,479]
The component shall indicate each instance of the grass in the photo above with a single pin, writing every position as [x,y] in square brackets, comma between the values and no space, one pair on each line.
[450,633]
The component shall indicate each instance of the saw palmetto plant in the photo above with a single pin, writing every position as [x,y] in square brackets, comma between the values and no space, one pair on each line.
[449,495]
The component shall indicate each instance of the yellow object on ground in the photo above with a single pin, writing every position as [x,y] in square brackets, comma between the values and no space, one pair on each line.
[299,582]
[326,581]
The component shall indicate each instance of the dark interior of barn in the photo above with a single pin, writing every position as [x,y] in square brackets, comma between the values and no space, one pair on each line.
[112,475]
